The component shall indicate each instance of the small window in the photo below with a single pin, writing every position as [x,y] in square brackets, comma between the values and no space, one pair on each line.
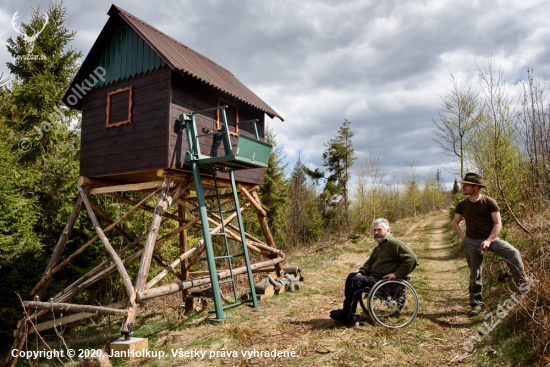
[232,115]
[119,107]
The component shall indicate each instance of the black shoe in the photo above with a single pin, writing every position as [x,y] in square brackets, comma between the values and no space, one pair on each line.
[340,316]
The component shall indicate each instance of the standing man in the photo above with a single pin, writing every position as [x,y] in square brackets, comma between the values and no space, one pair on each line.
[390,259]
[483,224]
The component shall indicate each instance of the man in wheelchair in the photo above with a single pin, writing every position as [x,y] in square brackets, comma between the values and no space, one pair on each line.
[392,258]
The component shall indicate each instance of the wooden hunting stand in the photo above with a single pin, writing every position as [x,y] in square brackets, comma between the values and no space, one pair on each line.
[151,108]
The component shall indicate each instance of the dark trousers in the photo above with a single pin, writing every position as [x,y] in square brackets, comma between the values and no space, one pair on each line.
[354,282]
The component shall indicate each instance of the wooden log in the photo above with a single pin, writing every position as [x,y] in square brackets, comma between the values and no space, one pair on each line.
[74,308]
[178,287]
[267,233]
[168,201]
[276,285]
[127,187]
[112,253]
[94,182]
[183,249]
[265,288]
[69,319]
[145,263]
[291,269]
[42,286]
[253,201]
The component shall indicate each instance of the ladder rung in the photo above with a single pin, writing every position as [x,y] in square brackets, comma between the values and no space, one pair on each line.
[229,306]
[220,211]
[227,256]
[217,234]
[226,281]
[198,136]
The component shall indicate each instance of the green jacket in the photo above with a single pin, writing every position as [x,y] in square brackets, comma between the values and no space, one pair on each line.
[391,256]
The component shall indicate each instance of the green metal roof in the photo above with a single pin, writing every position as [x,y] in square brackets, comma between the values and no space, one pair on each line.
[127,55]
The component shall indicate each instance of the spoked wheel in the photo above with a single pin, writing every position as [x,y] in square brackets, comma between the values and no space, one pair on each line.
[391,303]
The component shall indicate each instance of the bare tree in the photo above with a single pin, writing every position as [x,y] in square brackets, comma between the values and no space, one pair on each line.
[536,120]
[496,150]
[376,174]
[456,121]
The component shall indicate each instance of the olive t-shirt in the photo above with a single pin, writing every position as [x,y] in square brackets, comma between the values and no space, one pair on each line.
[479,222]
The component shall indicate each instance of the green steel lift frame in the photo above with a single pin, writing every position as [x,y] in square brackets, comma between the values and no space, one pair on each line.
[249,153]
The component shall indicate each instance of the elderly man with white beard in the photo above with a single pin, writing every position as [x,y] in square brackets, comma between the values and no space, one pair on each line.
[390,259]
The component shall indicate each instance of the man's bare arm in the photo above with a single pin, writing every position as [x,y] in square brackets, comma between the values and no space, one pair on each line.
[456,225]
[497,226]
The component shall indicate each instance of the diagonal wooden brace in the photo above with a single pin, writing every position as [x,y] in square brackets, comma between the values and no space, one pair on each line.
[112,253]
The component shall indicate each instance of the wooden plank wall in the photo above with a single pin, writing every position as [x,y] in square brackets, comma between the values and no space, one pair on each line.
[189,94]
[137,146]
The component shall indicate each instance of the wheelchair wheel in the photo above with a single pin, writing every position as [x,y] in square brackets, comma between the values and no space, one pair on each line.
[392,303]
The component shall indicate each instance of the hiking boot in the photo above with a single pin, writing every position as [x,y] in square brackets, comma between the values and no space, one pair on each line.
[476,310]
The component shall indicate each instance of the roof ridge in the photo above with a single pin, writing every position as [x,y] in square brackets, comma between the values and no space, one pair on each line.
[171,38]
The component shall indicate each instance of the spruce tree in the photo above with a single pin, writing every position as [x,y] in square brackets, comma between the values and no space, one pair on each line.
[338,158]
[274,193]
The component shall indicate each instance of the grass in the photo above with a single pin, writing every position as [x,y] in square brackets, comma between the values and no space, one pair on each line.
[299,321]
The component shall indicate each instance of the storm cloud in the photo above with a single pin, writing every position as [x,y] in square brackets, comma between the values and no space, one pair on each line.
[382,65]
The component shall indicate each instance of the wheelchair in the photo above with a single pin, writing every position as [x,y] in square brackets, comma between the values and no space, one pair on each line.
[389,303]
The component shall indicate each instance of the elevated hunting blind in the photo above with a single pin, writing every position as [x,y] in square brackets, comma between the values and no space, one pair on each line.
[161,119]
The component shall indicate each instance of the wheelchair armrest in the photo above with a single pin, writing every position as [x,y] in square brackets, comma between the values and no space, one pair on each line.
[407,278]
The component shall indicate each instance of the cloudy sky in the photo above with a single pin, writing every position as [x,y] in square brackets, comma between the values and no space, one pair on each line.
[380,64]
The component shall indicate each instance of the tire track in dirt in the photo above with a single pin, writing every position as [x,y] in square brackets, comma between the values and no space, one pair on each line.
[442,289]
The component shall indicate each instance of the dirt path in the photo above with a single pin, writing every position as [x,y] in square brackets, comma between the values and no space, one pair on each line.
[442,287]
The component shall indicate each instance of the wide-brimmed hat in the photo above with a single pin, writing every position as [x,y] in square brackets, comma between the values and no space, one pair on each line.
[473,179]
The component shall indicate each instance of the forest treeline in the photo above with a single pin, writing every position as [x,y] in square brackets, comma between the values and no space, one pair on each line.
[39,168]
[505,136]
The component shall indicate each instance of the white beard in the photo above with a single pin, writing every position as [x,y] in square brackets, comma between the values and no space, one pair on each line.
[379,239]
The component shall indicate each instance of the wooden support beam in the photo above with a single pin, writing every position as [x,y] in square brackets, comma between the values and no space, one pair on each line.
[68,319]
[94,182]
[145,263]
[267,233]
[74,308]
[252,200]
[127,187]
[112,253]
[40,288]
[180,286]
[206,180]
[183,249]
[47,276]
[170,199]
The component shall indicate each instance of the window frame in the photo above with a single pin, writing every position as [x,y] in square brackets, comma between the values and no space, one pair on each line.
[218,125]
[120,90]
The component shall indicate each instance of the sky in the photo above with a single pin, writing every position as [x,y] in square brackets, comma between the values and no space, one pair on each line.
[381,64]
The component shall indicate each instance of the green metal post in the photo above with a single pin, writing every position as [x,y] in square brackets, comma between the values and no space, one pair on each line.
[225,135]
[243,239]
[208,243]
